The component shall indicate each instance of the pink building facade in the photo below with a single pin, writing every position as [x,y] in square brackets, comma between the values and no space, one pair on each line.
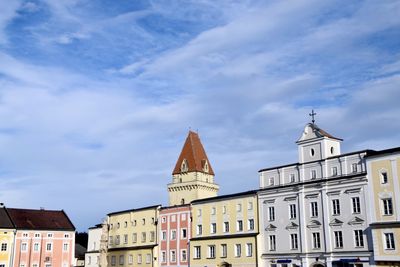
[43,238]
[174,228]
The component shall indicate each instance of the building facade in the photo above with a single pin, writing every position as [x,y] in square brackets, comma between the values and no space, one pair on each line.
[313,213]
[92,255]
[175,232]
[42,238]
[133,237]
[7,238]
[383,176]
[224,231]
[193,176]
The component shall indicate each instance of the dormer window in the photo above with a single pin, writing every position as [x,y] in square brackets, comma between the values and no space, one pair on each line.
[184,166]
[204,165]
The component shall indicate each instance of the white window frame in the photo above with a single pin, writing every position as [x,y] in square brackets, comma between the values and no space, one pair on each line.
[335,207]
[338,239]
[389,242]
[249,250]
[292,211]
[316,240]
[358,238]
[238,250]
[211,251]
[272,243]
[294,243]
[314,209]
[224,250]
[213,228]
[271,213]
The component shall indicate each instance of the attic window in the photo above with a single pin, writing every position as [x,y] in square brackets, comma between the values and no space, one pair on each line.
[204,164]
[332,150]
[184,166]
[312,152]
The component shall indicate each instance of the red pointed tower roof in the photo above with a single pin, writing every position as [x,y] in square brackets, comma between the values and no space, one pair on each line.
[195,156]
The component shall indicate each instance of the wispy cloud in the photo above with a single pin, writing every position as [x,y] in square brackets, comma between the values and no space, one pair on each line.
[98,98]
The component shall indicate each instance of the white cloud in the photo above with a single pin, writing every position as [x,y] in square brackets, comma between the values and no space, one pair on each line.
[8,11]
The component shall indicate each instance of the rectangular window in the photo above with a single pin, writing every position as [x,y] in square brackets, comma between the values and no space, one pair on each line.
[139,259]
[249,250]
[65,246]
[338,239]
[197,252]
[335,207]
[3,246]
[272,243]
[163,256]
[183,255]
[213,211]
[294,241]
[173,256]
[184,234]
[389,240]
[125,239]
[384,177]
[223,209]
[134,237]
[314,209]
[143,237]
[173,234]
[226,227]
[239,207]
[292,178]
[334,171]
[49,246]
[316,240]
[211,252]
[354,167]
[355,201]
[271,181]
[238,250]
[250,205]
[358,239]
[213,228]
[199,229]
[117,240]
[313,174]
[121,259]
[152,236]
[24,246]
[36,247]
[111,240]
[387,206]
[239,226]
[292,211]
[199,212]
[148,258]
[224,251]
[271,214]
[113,260]
[250,224]
[130,259]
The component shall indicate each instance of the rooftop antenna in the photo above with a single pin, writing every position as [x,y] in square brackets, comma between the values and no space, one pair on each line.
[312,114]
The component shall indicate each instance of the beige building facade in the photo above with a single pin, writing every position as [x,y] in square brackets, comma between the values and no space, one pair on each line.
[384,172]
[132,237]
[225,230]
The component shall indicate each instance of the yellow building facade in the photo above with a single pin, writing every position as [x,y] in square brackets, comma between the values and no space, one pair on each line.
[7,239]
[132,237]
[225,230]
[6,246]
[384,172]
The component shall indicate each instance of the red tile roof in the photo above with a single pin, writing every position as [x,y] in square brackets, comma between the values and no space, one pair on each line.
[40,219]
[195,155]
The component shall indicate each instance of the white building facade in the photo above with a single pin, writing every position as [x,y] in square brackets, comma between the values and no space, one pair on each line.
[92,256]
[313,213]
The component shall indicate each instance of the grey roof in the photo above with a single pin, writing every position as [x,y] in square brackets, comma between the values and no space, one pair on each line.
[5,221]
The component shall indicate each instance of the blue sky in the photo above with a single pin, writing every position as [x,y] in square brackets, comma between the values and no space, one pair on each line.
[96,97]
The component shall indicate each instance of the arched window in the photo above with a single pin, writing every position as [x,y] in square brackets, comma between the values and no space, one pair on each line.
[184,166]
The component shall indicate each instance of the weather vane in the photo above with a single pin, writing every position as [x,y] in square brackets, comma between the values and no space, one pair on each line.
[312,114]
